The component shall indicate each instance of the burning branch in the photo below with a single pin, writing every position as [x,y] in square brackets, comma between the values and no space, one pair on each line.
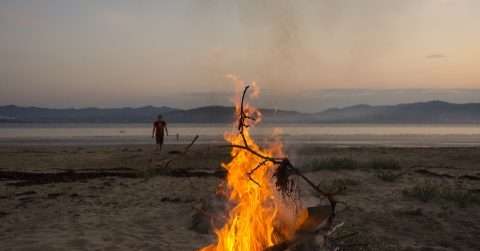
[255,169]
[285,168]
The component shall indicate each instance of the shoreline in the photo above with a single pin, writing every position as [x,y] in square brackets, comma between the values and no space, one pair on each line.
[324,140]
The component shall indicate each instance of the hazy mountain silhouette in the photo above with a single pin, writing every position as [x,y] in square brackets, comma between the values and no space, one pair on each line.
[90,115]
[425,112]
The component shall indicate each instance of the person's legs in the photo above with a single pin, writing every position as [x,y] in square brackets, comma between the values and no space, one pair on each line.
[159,140]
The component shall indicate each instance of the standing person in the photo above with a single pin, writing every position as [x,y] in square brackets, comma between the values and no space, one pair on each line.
[159,126]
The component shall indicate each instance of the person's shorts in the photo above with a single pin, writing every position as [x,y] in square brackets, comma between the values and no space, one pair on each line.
[159,139]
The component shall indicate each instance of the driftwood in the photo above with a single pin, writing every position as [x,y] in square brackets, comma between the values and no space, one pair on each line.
[35,178]
[164,163]
[31,178]
[317,233]
[319,218]
[430,173]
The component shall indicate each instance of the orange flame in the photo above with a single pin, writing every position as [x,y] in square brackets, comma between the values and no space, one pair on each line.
[261,217]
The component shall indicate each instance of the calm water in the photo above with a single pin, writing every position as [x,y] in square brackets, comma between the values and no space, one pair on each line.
[344,134]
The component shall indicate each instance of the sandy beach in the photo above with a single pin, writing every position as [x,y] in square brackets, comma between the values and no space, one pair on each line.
[108,197]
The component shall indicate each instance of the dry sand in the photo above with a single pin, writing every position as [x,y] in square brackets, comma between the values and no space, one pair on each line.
[154,211]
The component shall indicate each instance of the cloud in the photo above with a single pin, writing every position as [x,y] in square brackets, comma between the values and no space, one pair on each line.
[436,56]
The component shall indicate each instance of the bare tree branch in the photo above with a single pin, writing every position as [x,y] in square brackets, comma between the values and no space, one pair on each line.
[285,166]
[168,161]
[255,169]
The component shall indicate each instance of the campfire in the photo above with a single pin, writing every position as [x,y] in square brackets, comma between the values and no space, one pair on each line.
[265,211]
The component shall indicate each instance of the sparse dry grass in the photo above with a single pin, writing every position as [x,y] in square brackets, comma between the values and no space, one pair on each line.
[340,185]
[424,191]
[388,176]
[383,163]
[429,190]
[347,163]
[333,164]
[460,196]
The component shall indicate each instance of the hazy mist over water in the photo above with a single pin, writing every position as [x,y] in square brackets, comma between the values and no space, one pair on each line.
[331,134]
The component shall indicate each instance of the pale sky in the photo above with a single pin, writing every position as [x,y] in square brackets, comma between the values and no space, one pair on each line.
[66,53]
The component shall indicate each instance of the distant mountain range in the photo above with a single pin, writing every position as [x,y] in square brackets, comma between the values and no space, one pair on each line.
[425,112]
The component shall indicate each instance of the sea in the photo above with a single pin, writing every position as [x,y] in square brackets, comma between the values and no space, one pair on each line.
[336,135]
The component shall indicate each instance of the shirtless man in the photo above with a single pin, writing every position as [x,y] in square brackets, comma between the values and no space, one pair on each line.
[158,128]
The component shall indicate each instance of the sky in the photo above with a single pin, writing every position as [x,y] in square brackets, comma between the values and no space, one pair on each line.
[70,53]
